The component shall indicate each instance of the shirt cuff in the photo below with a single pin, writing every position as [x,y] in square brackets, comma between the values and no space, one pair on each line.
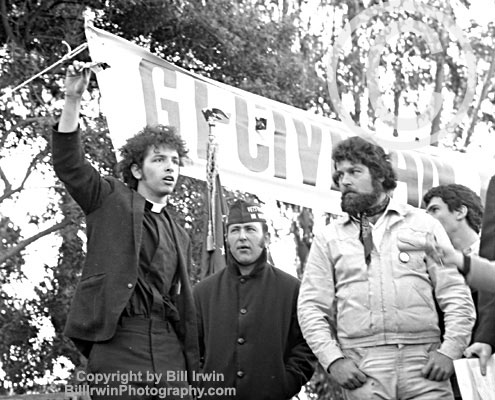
[451,350]
[330,357]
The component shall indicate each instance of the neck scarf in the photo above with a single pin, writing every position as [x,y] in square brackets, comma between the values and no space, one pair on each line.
[365,232]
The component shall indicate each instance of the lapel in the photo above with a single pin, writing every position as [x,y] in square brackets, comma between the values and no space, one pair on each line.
[183,274]
[138,202]
[487,243]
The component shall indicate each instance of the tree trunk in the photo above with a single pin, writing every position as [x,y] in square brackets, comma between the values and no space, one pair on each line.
[439,80]
[484,92]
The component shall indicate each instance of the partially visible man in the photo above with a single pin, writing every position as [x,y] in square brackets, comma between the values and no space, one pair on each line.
[486,301]
[366,307]
[460,211]
[133,312]
[247,319]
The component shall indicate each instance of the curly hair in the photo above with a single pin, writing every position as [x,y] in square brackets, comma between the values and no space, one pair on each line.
[357,150]
[456,196]
[135,149]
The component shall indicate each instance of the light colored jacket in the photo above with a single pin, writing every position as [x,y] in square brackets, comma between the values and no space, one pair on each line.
[344,303]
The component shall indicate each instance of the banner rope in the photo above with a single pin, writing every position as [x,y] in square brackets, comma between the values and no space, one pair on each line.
[71,53]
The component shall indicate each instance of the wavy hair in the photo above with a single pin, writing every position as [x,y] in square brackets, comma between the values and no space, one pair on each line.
[456,196]
[137,147]
[359,151]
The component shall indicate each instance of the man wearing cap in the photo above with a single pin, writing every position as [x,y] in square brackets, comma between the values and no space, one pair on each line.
[249,335]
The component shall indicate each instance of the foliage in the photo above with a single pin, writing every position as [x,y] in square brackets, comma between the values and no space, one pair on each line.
[322,387]
[271,48]
[239,43]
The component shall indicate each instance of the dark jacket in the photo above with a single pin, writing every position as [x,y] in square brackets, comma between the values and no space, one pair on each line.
[249,332]
[114,220]
[485,331]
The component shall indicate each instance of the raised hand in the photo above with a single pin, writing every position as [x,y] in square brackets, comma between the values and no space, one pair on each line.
[76,79]
[76,82]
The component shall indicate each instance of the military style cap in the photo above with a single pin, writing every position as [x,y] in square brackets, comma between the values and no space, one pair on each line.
[242,212]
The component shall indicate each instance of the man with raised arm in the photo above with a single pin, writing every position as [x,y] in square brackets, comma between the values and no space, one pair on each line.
[132,313]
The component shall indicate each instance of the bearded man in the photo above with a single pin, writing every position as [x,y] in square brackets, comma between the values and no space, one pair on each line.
[367,307]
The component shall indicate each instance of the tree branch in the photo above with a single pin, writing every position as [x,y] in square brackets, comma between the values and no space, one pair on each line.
[5,22]
[5,180]
[8,192]
[484,92]
[23,244]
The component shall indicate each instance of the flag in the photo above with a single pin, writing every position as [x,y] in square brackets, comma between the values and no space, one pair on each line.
[213,250]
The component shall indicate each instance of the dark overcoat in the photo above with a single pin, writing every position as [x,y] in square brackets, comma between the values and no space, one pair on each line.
[249,334]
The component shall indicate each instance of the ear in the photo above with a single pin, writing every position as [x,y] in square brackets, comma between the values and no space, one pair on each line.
[136,172]
[461,212]
[267,239]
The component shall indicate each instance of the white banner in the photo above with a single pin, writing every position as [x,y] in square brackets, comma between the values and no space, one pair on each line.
[289,159]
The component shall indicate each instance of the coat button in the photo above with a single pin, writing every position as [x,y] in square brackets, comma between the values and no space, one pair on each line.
[241,340]
[129,285]
[242,280]
[243,311]
[240,374]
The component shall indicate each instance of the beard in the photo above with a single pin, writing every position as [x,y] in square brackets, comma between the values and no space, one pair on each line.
[354,203]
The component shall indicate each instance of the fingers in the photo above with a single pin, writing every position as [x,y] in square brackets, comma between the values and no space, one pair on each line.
[483,363]
[434,373]
[425,371]
[357,380]
[347,374]
[78,68]
[481,350]
[438,368]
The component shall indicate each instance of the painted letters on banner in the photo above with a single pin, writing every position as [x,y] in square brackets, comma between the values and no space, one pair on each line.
[268,148]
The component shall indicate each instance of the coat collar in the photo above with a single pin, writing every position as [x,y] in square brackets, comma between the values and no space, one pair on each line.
[233,265]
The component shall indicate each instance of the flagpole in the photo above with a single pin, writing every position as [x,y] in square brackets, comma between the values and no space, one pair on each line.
[213,243]
[211,171]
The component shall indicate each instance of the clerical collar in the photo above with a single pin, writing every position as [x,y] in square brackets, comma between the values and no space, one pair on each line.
[155,207]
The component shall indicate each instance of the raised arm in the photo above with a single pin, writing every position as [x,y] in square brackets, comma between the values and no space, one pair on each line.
[479,272]
[76,82]
[82,181]
[454,298]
